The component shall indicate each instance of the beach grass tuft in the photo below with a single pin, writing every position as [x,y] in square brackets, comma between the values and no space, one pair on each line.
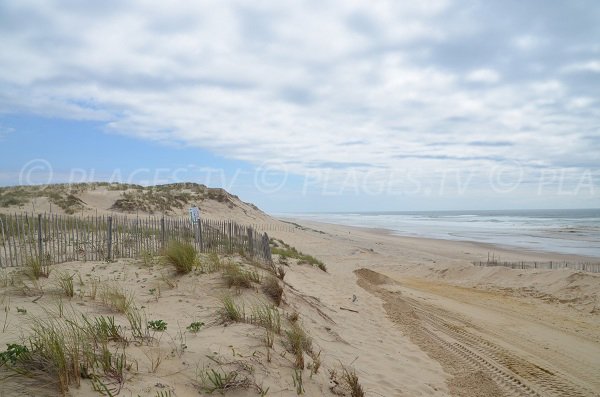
[235,276]
[273,289]
[36,268]
[351,380]
[286,251]
[182,256]
[297,342]
[231,312]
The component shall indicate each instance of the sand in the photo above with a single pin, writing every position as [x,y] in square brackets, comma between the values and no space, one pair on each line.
[493,331]
[412,316]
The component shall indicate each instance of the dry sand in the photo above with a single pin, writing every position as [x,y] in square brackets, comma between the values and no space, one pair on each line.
[483,331]
[412,316]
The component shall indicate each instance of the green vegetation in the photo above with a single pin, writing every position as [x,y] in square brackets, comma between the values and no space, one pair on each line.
[61,351]
[117,298]
[212,380]
[65,282]
[13,353]
[34,269]
[234,275]
[157,325]
[151,199]
[213,264]
[137,320]
[298,382]
[69,202]
[297,342]
[231,312]
[266,316]
[195,326]
[285,251]
[182,256]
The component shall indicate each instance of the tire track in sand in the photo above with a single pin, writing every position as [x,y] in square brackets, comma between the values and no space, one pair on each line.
[496,371]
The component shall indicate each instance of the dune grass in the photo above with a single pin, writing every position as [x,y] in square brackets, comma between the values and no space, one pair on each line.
[117,298]
[273,289]
[211,264]
[297,342]
[65,283]
[182,256]
[35,268]
[351,380]
[211,380]
[286,251]
[236,276]
[266,316]
[60,351]
[231,312]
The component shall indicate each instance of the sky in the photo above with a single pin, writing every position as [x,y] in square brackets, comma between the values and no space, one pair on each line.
[309,105]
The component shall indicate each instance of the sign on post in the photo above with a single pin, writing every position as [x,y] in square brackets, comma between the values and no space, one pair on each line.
[194,214]
[195,218]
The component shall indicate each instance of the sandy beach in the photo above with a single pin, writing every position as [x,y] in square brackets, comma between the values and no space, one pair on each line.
[431,323]
[411,316]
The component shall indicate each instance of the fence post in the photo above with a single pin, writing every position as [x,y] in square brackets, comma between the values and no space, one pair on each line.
[267,248]
[162,232]
[250,242]
[109,240]
[199,232]
[40,247]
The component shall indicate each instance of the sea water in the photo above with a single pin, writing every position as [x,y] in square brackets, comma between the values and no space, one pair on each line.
[575,231]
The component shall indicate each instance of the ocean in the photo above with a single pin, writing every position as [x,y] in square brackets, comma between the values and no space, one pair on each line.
[574,231]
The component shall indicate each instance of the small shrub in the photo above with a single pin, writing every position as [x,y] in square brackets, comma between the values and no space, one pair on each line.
[273,290]
[157,325]
[182,256]
[195,326]
[13,353]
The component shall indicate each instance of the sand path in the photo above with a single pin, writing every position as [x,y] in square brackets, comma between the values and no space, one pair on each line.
[524,351]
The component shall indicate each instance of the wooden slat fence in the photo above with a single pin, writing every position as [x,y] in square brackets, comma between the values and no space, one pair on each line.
[581,266]
[63,238]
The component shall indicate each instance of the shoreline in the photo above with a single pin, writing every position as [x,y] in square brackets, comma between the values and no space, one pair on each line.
[515,253]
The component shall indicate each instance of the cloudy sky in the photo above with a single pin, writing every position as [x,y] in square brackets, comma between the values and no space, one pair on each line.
[310,105]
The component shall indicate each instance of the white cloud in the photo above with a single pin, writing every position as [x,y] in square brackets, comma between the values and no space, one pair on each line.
[589,66]
[527,42]
[483,76]
[292,82]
